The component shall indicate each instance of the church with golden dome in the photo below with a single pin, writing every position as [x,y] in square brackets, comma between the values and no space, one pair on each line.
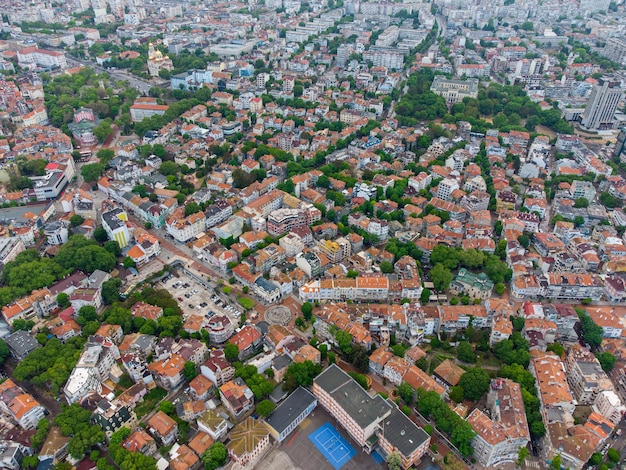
[157,61]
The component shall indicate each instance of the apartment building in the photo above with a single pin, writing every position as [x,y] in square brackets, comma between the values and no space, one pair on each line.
[585,375]
[217,369]
[185,228]
[168,373]
[236,397]
[285,220]
[362,288]
[20,406]
[501,433]
[114,224]
[162,427]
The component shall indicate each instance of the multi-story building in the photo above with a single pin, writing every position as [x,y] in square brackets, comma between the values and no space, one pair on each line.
[220,328]
[600,111]
[609,405]
[551,378]
[370,288]
[184,228]
[337,250]
[248,443]
[41,58]
[365,417]
[163,428]
[285,220]
[290,413]
[236,397]
[213,424]
[585,375]
[446,187]
[19,406]
[217,369]
[91,370]
[114,224]
[168,373]
[454,91]
[501,434]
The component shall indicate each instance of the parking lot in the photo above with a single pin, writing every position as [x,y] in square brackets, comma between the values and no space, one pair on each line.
[195,299]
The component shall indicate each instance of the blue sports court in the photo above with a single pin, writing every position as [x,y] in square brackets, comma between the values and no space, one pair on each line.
[332,445]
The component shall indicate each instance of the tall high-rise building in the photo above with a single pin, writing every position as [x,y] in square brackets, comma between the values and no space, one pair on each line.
[602,104]
[620,144]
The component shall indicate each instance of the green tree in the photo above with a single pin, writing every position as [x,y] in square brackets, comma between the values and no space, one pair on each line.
[457,394]
[113,247]
[425,296]
[92,172]
[394,462]
[556,462]
[192,208]
[189,370]
[128,262]
[214,457]
[231,352]
[301,374]
[76,220]
[4,351]
[613,455]
[581,202]
[522,455]
[307,310]
[406,392]
[500,288]
[607,360]
[110,290]
[100,235]
[265,408]
[22,325]
[475,383]
[524,240]
[63,300]
[592,334]
[441,277]
[556,348]
[386,267]
[465,352]
[168,168]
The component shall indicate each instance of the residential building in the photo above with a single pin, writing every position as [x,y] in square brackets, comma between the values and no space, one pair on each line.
[603,101]
[236,397]
[217,369]
[20,406]
[114,224]
[185,228]
[168,373]
[501,433]
[140,441]
[585,375]
[213,423]
[21,344]
[162,427]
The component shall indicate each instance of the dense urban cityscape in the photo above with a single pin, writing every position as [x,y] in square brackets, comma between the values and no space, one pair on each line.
[317,235]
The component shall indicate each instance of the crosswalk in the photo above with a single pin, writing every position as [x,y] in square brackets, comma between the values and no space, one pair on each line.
[532,464]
